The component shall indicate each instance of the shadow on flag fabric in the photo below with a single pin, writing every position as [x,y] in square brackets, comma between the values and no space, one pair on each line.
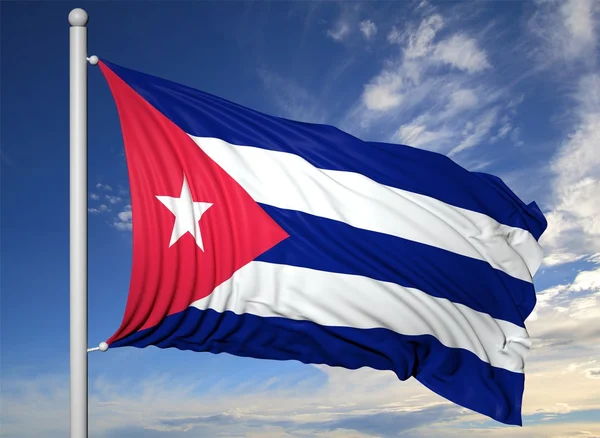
[268,238]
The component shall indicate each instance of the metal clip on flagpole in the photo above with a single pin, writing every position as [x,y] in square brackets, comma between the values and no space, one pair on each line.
[78,19]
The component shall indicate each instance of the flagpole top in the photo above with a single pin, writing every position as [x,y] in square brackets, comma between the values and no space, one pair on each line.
[78,17]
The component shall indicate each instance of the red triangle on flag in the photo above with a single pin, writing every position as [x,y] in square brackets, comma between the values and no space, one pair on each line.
[167,276]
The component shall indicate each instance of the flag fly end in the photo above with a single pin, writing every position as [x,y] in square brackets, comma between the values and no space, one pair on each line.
[103,346]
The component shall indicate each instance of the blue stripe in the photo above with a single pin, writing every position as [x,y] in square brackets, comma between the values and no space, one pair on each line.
[455,374]
[333,246]
[428,173]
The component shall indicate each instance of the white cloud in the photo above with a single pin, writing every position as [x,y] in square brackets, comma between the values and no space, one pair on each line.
[555,259]
[554,429]
[417,135]
[567,33]
[594,258]
[420,43]
[351,404]
[565,341]
[587,280]
[567,30]
[113,199]
[384,93]
[463,53]
[414,102]
[579,23]
[459,118]
[592,373]
[574,221]
[395,36]
[502,132]
[461,100]
[565,312]
[475,132]
[101,209]
[368,28]
[123,221]
[103,187]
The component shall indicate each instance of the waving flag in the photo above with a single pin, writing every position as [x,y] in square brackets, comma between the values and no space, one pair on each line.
[269,238]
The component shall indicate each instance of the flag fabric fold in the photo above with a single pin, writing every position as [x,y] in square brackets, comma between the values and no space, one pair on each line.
[269,238]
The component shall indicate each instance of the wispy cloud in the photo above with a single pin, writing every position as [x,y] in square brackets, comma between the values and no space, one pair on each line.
[434,93]
[351,403]
[567,30]
[463,53]
[475,132]
[384,92]
[339,32]
[566,347]
[559,258]
[171,404]
[353,22]
[419,43]
[561,384]
[586,285]
[368,28]
[573,224]
[293,100]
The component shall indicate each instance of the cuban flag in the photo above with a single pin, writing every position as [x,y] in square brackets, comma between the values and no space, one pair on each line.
[268,238]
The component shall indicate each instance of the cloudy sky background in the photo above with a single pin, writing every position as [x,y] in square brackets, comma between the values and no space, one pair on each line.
[508,88]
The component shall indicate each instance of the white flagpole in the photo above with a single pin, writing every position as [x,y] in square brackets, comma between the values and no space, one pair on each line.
[78,240]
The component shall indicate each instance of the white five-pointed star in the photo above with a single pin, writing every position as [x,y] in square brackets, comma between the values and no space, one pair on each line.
[187,214]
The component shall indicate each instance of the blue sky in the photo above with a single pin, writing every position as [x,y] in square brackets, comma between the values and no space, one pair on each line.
[509,88]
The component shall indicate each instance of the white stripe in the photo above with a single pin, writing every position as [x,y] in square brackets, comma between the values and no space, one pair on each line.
[288,181]
[331,299]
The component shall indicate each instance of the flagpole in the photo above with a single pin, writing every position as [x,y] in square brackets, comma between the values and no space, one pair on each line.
[78,222]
